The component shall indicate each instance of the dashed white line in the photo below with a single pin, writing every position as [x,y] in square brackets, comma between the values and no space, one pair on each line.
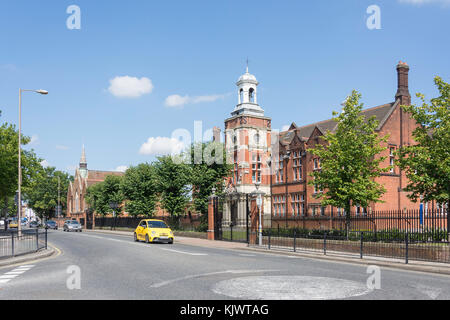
[8,276]
[183,252]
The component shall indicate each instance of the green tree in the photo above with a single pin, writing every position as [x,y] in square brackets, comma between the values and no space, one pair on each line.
[9,149]
[100,196]
[96,200]
[427,164]
[41,193]
[207,174]
[350,160]
[139,187]
[173,185]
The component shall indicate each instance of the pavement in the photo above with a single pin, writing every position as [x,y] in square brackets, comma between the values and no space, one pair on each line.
[41,254]
[421,266]
[100,265]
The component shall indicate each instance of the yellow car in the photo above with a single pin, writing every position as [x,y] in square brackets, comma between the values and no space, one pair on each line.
[13,224]
[150,230]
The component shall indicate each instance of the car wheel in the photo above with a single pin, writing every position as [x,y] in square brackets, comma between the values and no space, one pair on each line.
[171,242]
[135,237]
[147,239]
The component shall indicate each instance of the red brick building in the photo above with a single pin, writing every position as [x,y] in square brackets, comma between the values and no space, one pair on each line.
[77,207]
[292,196]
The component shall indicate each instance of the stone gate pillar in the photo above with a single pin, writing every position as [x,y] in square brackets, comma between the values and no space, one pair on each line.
[211,221]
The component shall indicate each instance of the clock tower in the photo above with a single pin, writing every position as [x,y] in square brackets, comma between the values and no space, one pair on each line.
[248,145]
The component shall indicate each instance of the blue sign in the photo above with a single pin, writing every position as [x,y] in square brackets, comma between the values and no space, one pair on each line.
[421,214]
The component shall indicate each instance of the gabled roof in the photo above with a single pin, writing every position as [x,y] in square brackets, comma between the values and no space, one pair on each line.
[381,113]
[96,176]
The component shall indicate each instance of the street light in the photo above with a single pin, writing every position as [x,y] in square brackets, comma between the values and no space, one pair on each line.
[114,205]
[259,194]
[43,92]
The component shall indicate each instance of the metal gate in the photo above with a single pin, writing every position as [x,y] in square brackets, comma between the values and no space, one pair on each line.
[231,218]
[89,219]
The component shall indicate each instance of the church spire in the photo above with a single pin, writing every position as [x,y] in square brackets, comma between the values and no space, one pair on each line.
[83,164]
[83,156]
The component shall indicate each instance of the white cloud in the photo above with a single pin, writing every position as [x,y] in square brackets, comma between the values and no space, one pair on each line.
[285,128]
[162,146]
[61,147]
[45,164]
[422,2]
[34,140]
[121,168]
[179,101]
[130,87]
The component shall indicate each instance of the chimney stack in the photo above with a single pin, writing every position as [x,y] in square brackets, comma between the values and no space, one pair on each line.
[216,134]
[403,84]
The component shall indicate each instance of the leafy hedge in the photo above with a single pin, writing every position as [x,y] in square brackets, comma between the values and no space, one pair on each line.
[393,235]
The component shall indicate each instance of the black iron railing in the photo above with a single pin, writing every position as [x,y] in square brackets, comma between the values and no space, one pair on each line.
[12,245]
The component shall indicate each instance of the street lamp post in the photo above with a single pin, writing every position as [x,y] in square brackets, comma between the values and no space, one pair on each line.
[259,194]
[19,207]
[114,205]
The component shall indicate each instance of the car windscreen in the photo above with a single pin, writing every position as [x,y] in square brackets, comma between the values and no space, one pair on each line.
[157,225]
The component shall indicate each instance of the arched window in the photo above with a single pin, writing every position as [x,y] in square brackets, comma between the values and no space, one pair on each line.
[241,96]
[251,95]
[77,203]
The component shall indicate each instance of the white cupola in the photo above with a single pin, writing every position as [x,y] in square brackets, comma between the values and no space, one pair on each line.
[248,96]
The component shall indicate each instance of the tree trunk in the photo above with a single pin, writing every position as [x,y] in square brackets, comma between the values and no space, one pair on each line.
[347,220]
[5,212]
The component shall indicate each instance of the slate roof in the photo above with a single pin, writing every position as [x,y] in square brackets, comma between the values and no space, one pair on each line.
[381,113]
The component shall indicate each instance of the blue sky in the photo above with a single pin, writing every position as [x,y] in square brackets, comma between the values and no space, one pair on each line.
[307,55]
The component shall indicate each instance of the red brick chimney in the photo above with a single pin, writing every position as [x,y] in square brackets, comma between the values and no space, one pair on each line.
[216,134]
[403,84]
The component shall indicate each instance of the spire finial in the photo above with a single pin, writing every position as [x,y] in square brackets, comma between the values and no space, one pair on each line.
[83,155]
[247,65]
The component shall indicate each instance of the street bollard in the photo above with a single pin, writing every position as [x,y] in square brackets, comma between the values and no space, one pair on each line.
[231,231]
[295,240]
[12,244]
[325,243]
[46,238]
[407,247]
[362,243]
[37,240]
[270,234]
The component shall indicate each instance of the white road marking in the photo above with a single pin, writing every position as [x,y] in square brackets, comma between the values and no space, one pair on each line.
[247,255]
[14,273]
[290,288]
[183,252]
[7,277]
[165,283]
[431,292]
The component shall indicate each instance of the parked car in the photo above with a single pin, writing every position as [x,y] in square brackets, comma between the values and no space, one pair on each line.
[153,231]
[34,224]
[2,223]
[72,225]
[51,225]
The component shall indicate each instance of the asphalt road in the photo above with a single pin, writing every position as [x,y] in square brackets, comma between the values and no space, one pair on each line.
[115,267]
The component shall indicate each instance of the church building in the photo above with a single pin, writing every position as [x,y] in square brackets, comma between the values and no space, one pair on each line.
[77,207]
